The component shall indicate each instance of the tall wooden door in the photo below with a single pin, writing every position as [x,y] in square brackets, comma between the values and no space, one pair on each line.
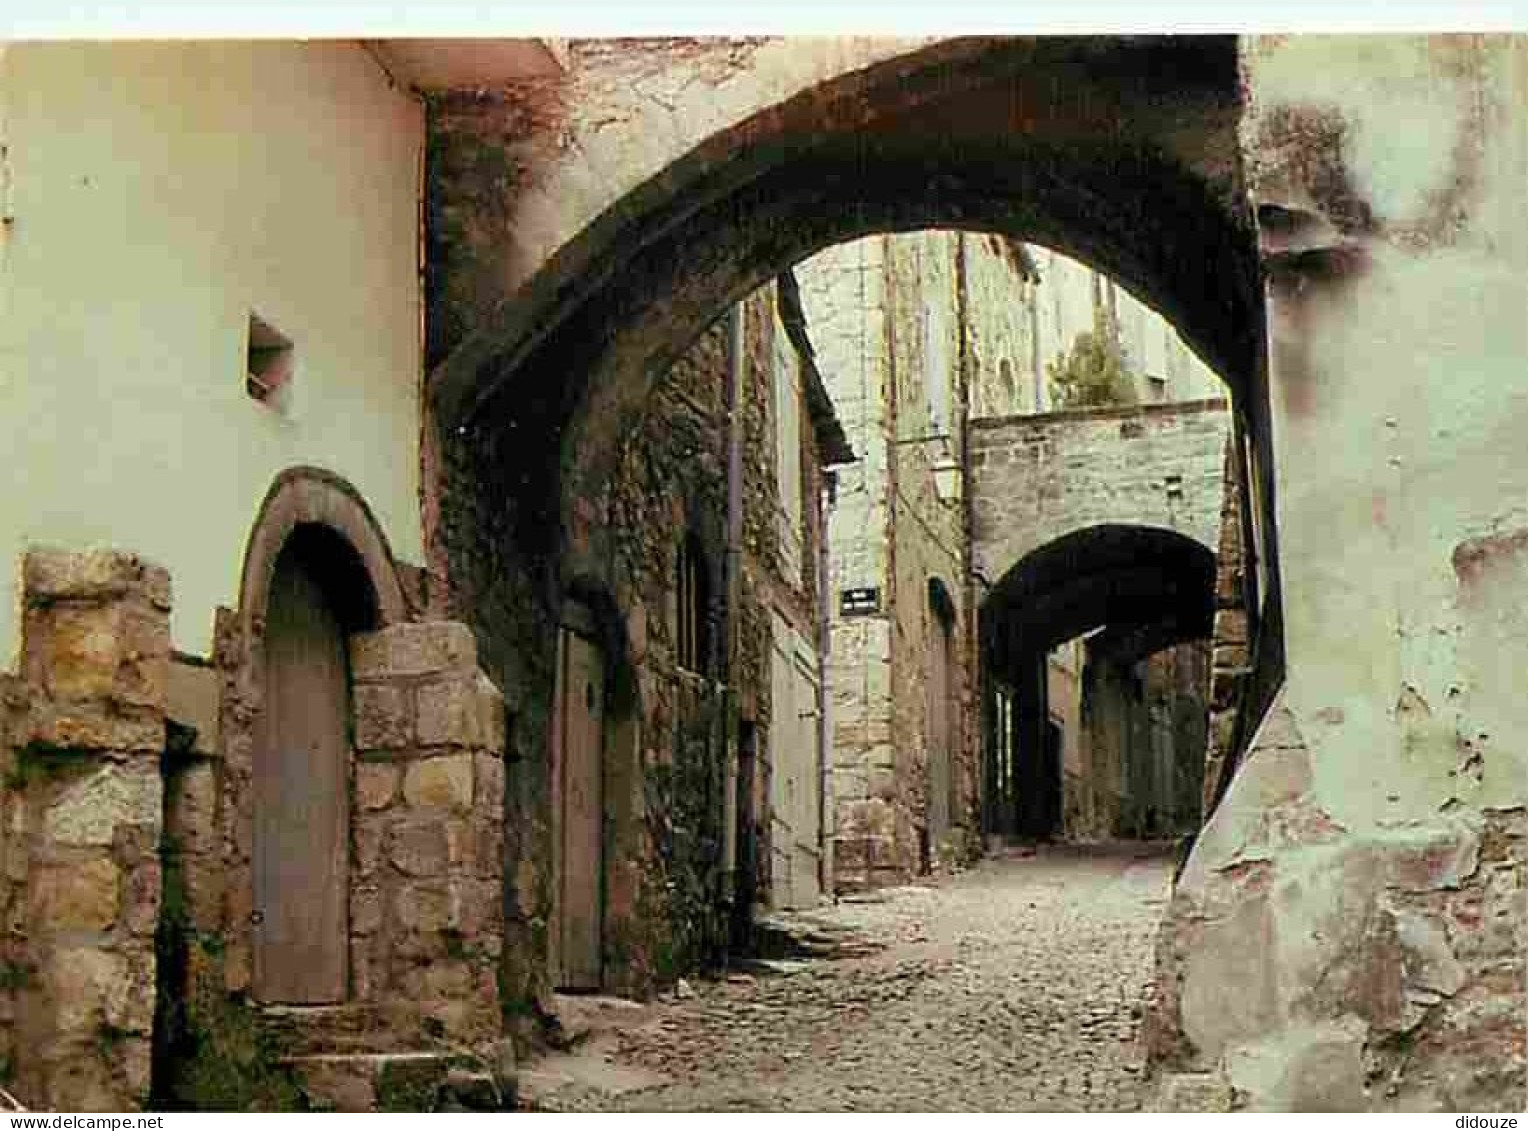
[301,771]
[581,758]
[795,770]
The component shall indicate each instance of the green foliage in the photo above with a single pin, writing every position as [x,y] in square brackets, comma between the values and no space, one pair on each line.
[40,762]
[1093,373]
[214,1056]
[16,976]
[229,1065]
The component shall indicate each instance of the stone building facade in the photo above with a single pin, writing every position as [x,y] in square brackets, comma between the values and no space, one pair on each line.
[709,767]
[201,914]
[254,808]
[890,329]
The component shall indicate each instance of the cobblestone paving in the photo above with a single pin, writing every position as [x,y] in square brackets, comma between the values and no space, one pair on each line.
[1018,985]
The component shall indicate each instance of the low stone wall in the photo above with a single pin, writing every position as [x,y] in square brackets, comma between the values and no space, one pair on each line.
[427,837]
[82,820]
[125,848]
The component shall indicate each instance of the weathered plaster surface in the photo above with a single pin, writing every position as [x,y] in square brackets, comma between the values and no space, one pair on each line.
[158,194]
[1362,884]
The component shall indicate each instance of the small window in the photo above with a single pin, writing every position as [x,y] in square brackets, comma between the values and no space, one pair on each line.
[268,363]
[693,596]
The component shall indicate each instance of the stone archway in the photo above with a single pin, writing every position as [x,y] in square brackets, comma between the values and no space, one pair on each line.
[1141,589]
[1085,146]
[317,571]
[1372,753]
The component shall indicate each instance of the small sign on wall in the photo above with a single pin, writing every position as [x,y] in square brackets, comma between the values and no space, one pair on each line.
[860,601]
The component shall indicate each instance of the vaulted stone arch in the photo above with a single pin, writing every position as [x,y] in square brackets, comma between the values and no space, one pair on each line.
[1111,576]
[548,337]
[1137,589]
[1119,151]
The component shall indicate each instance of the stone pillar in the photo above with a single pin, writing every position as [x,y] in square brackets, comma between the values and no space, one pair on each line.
[1228,647]
[426,900]
[83,803]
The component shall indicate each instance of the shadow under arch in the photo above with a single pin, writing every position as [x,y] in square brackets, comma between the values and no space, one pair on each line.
[1117,151]
[1112,576]
[341,542]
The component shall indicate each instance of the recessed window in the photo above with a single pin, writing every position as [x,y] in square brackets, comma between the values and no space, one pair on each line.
[268,362]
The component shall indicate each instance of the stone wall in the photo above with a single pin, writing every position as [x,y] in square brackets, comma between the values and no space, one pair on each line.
[1036,478]
[426,900]
[906,325]
[1229,651]
[844,293]
[1029,303]
[672,882]
[425,882]
[1005,302]
[891,314]
[82,818]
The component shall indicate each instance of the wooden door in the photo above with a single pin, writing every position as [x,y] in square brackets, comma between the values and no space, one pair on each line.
[795,770]
[301,771]
[806,778]
[581,758]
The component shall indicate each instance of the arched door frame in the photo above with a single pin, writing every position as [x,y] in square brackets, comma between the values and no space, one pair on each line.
[360,585]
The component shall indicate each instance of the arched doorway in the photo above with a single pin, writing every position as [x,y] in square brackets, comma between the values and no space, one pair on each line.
[318,594]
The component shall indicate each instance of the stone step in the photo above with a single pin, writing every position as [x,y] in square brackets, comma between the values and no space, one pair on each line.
[314,1030]
[799,936]
[352,1028]
[414,1081]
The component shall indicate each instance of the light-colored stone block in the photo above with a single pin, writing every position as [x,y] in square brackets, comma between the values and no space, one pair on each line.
[444,781]
[52,574]
[463,711]
[428,648]
[89,811]
[75,896]
[376,784]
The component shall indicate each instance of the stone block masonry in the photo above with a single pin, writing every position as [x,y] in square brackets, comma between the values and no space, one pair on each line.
[426,899]
[1036,478]
[83,813]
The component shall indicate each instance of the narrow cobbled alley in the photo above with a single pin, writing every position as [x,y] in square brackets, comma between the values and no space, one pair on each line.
[1018,985]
